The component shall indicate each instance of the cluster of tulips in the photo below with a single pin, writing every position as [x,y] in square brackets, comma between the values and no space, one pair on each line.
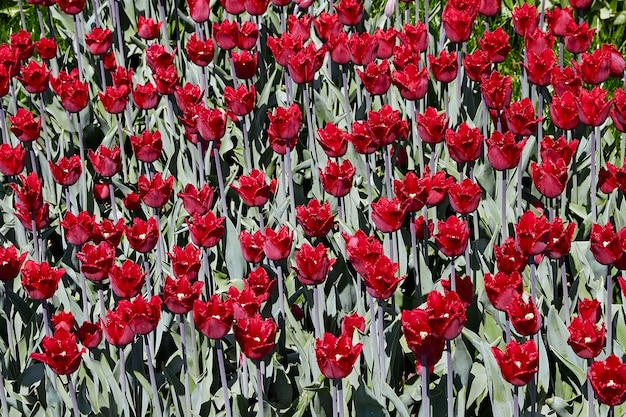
[357,161]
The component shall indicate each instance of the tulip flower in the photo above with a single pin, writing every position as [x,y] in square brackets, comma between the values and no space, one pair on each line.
[11,263]
[502,288]
[200,52]
[12,159]
[96,260]
[197,201]
[254,189]
[519,362]
[464,145]
[180,295]
[241,100]
[255,336]
[185,261]
[336,356]
[350,12]
[608,380]
[337,178]
[143,315]
[206,230]
[277,244]
[147,28]
[61,352]
[312,264]
[213,318]
[127,280]
[315,218]
[411,82]
[503,151]
[380,278]
[142,235]
[446,314]
[40,280]
[117,330]
[586,338]
[496,44]
[252,246]
[155,192]
[464,288]
[333,140]
[531,233]
[464,196]
[425,344]
[24,125]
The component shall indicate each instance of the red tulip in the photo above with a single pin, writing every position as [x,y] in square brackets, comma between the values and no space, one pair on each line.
[608,380]
[284,127]
[77,228]
[457,23]
[147,28]
[46,48]
[34,77]
[525,19]
[166,80]
[388,215]
[211,123]
[446,314]
[24,125]
[605,244]
[96,260]
[252,246]
[338,47]
[332,140]
[143,235]
[179,295]
[496,44]
[71,7]
[199,10]
[11,263]
[362,250]
[412,191]
[148,146]
[40,280]
[73,93]
[283,47]
[61,352]
[197,201]
[595,67]
[362,139]
[524,316]
[312,264]
[89,334]
[496,90]
[425,344]
[586,338]
[593,106]
[617,64]
[444,67]
[144,315]
[415,37]
[411,82]
[259,283]
[502,288]
[185,261]
[254,189]
[127,280]
[240,101]
[255,336]
[376,78]
[303,64]
[277,245]
[66,171]
[99,40]
[12,159]
[21,42]
[550,177]
[432,126]
[351,323]
[477,64]
[248,35]
[109,231]
[28,196]
[256,7]
[531,233]
[618,112]
[155,192]
[213,318]
[439,185]
[246,303]
[520,117]
[578,37]
[300,27]
[245,64]
[380,278]
[464,288]
[336,356]
[560,238]
[327,24]
[464,196]
[188,95]
[508,257]
[200,52]
[206,230]
[519,362]
[145,96]
[117,330]
[563,111]
[464,145]
[558,20]
[337,178]
[503,151]
[315,218]
[106,162]
[350,12]
[226,34]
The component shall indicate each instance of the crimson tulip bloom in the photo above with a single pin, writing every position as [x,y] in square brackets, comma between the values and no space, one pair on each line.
[618,112]
[333,140]
[99,40]
[89,334]
[11,263]
[444,67]
[412,191]
[617,64]
[200,52]
[148,28]
[300,26]
[145,96]
[77,228]
[550,177]
[605,244]
[40,280]
[564,112]
[578,37]
[558,19]
[502,288]
[22,43]
[213,318]
[199,10]
[248,35]
[185,261]
[312,264]
[524,316]
[496,44]
[519,362]
[520,117]
[240,101]
[525,19]
[253,189]
[315,218]
[560,238]
[155,192]
[608,379]
[388,215]
[148,146]
[338,47]
[285,124]
[464,196]
[245,64]
[114,99]
[12,159]
[464,288]
[337,178]
[96,260]
[327,24]
[386,125]
[34,77]
[63,320]
[46,48]
[464,145]
[411,82]
[143,235]
[24,125]
[508,257]
[255,336]
[252,246]
[590,310]
[363,47]
[28,196]
[558,149]
[117,330]
[362,250]
[277,245]
[440,182]
[166,80]
[336,356]
[206,230]
[566,79]
[362,139]
[66,171]
[425,344]
[61,352]
[531,233]
[143,315]
[283,47]
[380,278]
[71,7]
[211,123]
[188,95]
[226,34]
[593,106]
[127,280]
[350,12]
[586,338]
[197,201]
[74,94]
[496,91]
[303,64]
[458,23]
[106,162]
[109,231]
[255,7]
[179,295]
[477,64]
[415,37]
[595,67]
[351,323]
[259,283]
[432,126]
[503,151]
[446,314]
[246,303]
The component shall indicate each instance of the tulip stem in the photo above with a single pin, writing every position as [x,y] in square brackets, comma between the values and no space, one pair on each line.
[425,397]
[183,343]
[594,180]
[505,225]
[81,150]
[72,390]
[346,98]
[10,336]
[292,198]
[418,291]
[590,393]
[381,342]
[222,369]
[259,384]
[335,398]
[163,18]
[3,124]
[312,147]
[120,135]
[368,182]
[374,337]
[518,187]
[146,267]
[246,145]
[340,399]
[316,312]
[118,29]
[281,296]
[112,198]
[609,312]
[507,328]
[515,401]
[159,246]
[566,303]
[359,291]
[201,163]
[155,392]
[245,375]
[101,298]
[44,125]
[122,360]
[388,172]
[220,179]
[3,398]
[79,58]
[33,222]
[449,379]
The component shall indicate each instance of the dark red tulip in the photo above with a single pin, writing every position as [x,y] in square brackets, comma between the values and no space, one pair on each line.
[254,189]
[578,37]
[380,278]
[550,177]
[502,288]
[350,12]
[66,171]
[73,93]
[423,231]
[199,10]
[132,201]
[252,246]
[148,28]
[452,237]
[284,127]
[157,56]
[519,362]
[489,8]
[99,40]
[503,151]
[440,182]
[608,379]
[566,79]
[403,55]
[351,323]
[524,316]
[332,140]
[197,201]
[520,117]
[144,315]
[337,178]
[148,146]
[607,182]
[303,64]
[618,112]
[116,328]
[245,64]
[531,233]
[315,218]
[12,159]
[362,250]
[101,192]
[327,24]
[89,334]
[411,82]
[337,46]
[586,338]
[24,125]
[109,231]
[594,67]
[213,318]
[109,62]
[444,67]
[41,217]
[248,35]
[71,7]
[458,23]
[61,352]
[34,77]
[127,280]
[386,42]
[241,100]
[593,106]
[166,80]
[432,126]
[63,320]
[106,162]
[605,243]
[283,47]
[362,139]
[464,196]
[226,34]
[206,230]
[558,149]
[96,260]
[22,44]
[11,263]
[46,48]
[145,96]
[508,257]
[185,261]
[188,95]
[412,191]
[525,19]
[155,192]
[312,264]
[256,7]
[617,64]
[415,37]
[464,288]
[336,356]
[425,344]
[40,280]
[77,228]
[114,99]
[256,336]
[496,90]
[558,19]
[28,196]
[563,111]
[477,64]
[211,123]
[446,314]
[538,41]
[376,78]
[277,245]
[386,125]
[464,145]
[143,235]
[496,44]
[179,295]
[300,27]
[246,303]
[560,238]
[259,283]
[388,215]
